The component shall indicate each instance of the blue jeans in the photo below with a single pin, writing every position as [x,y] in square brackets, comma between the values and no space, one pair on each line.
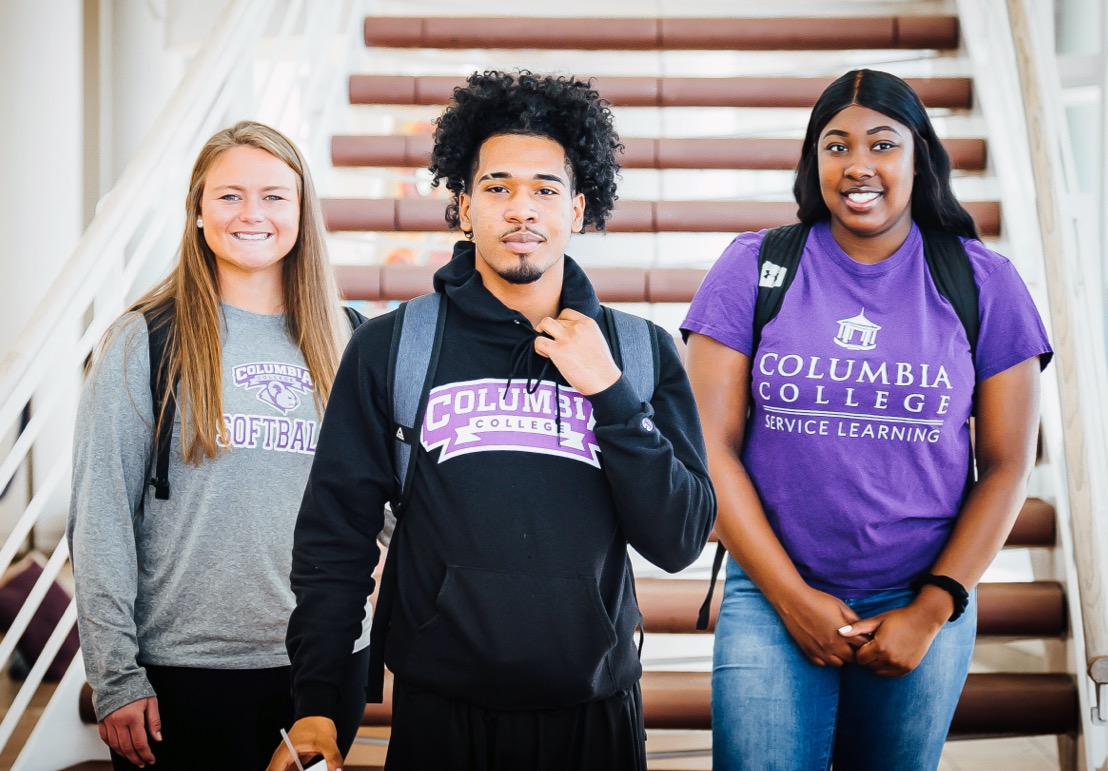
[773,710]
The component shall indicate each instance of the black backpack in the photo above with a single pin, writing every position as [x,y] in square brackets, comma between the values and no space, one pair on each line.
[778,260]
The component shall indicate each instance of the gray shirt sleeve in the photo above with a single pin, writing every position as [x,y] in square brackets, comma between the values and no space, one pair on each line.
[111,452]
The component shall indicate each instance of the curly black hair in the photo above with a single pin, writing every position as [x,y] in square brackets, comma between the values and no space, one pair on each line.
[562,108]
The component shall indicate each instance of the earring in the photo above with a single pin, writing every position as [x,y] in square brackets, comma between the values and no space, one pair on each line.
[468,234]
[200,222]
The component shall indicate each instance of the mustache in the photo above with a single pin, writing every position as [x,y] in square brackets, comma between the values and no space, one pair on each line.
[524,229]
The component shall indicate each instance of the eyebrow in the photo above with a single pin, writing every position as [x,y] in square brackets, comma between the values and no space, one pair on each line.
[506,175]
[874,130]
[265,189]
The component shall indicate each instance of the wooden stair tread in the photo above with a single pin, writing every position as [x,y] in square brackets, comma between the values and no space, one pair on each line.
[402,282]
[992,704]
[760,153]
[1031,609]
[628,91]
[638,34]
[421,215]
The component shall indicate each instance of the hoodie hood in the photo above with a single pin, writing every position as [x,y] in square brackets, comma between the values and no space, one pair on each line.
[461,282]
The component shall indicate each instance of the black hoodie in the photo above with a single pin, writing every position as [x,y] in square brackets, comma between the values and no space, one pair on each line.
[514,588]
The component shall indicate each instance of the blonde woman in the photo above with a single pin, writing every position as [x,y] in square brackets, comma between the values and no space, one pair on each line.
[183,600]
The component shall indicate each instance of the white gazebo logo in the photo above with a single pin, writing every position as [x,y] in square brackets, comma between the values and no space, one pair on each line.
[858,333]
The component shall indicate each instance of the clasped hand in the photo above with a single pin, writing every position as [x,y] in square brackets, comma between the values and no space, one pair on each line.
[892,643]
[830,633]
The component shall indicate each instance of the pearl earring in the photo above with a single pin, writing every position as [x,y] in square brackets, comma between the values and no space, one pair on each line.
[200,222]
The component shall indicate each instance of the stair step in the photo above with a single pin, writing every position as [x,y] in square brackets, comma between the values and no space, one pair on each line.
[1031,609]
[612,285]
[949,92]
[992,704]
[423,215]
[1036,525]
[639,34]
[759,153]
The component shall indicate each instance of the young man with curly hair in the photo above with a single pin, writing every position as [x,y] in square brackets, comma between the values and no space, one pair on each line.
[512,631]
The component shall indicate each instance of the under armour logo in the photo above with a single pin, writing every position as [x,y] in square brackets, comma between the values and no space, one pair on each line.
[772,275]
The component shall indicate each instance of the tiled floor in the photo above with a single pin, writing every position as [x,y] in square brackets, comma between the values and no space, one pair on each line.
[1039,753]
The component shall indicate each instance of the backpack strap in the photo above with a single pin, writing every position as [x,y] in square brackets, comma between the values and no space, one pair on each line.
[413,357]
[355,318]
[159,323]
[953,276]
[778,258]
[634,342]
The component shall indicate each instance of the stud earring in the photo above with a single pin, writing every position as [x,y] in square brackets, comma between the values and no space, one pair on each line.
[200,222]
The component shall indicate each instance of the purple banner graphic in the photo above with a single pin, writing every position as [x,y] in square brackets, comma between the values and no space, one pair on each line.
[489,414]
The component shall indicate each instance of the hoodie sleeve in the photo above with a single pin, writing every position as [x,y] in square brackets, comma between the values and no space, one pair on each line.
[656,464]
[335,542]
[111,452]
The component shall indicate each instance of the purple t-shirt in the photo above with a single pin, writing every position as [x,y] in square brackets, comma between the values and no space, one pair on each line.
[858,443]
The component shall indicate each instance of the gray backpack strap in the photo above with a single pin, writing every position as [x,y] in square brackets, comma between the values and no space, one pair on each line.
[637,350]
[416,341]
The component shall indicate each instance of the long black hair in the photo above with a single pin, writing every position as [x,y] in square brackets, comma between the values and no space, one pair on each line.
[564,109]
[933,203]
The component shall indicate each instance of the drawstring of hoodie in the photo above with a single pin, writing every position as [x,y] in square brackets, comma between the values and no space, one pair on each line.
[523,362]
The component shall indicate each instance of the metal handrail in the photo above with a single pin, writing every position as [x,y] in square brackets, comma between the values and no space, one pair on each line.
[1017,77]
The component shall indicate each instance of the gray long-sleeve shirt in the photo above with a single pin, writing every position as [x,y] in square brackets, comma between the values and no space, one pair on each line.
[200,579]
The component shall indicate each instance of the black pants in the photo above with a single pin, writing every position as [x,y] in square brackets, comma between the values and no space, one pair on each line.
[432,732]
[232,718]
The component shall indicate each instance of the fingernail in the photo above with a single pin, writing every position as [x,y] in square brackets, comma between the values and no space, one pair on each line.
[845,629]
[158,736]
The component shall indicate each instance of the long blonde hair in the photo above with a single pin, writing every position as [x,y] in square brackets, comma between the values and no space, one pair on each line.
[188,301]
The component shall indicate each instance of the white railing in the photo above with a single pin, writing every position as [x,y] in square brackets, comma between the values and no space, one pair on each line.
[1049,224]
[279,62]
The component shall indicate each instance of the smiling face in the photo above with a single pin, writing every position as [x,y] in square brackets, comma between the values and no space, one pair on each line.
[866,165]
[521,209]
[251,211]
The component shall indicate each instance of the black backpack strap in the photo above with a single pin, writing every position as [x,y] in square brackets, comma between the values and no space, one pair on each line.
[778,258]
[634,343]
[953,276]
[163,395]
[355,318]
[417,334]
[705,614]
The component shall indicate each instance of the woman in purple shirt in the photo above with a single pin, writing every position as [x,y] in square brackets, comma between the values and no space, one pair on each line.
[839,445]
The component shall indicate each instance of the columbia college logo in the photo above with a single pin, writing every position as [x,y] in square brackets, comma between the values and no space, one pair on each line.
[856,397]
[279,385]
[857,333]
[493,414]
